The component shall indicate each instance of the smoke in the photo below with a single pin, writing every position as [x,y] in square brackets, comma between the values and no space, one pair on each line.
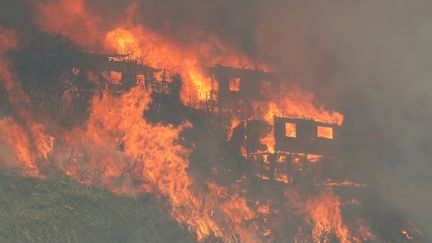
[16,14]
[234,21]
[368,59]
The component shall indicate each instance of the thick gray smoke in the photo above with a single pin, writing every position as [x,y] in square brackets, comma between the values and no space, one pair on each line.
[234,21]
[369,59]
[372,61]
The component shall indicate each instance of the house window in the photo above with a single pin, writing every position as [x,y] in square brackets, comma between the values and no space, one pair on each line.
[76,71]
[265,88]
[140,78]
[116,77]
[234,84]
[290,130]
[325,132]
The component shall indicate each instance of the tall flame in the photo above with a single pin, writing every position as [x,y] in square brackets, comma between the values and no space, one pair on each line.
[151,156]
[190,60]
[325,212]
[26,137]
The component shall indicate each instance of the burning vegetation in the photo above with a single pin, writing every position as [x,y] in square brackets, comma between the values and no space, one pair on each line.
[231,151]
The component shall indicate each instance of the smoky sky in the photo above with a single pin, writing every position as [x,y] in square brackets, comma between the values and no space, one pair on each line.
[15,14]
[372,61]
[369,59]
[233,21]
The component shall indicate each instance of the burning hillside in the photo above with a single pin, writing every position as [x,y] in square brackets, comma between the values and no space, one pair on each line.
[231,150]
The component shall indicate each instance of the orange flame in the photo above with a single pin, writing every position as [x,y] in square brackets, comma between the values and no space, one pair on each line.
[150,155]
[23,135]
[14,136]
[295,103]
[189,60]
[71,19]
[325,212]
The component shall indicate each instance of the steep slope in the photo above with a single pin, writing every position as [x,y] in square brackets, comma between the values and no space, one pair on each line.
[61,210]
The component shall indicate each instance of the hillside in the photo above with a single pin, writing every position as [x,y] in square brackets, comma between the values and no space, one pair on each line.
[61,210]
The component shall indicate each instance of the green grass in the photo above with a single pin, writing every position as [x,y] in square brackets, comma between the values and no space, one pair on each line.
[61,210]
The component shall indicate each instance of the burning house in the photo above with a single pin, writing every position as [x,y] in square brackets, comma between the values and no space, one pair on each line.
[279,149]
[237,88]
[274,145]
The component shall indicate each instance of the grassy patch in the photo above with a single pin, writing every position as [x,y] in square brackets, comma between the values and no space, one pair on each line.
[61,210]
